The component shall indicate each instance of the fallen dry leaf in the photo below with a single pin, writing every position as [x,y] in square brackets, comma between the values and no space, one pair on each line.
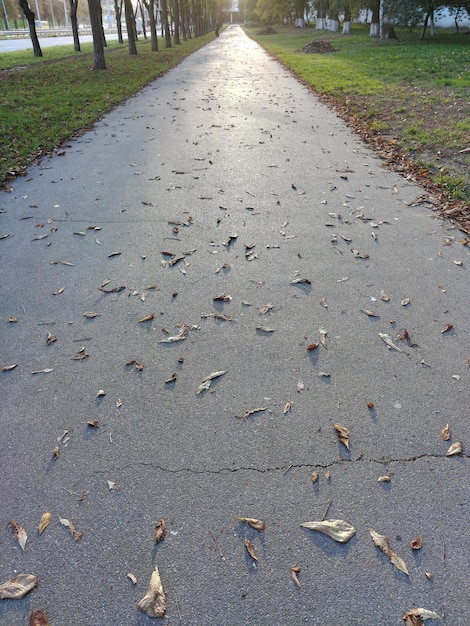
[384,479]
[19,533]
[388,340]
[411,617]
[416,543]
[336,529]
[383,543]
[324,303]
[447,327]
[287,407]
[50,339]
[207,381]
[38,618]
[8,368]
[44,522]
[405,302]
[77,535]
[93,423]
[58,291]
[56,452]
[293,572]
[384,296]
[113,486]
[91,314]
[47,370]
[265,329]
[257,524]
[323,334]
[301,281]
[147,318]
[159,532]
[359,255]
[132,577]
[264,309]
[253,411]
[250,549]
[81,355]
[172,378]
[154,601]
[312,346]
[445,433]
[370,313]
[455,448]
[222,297]
[314,476]
[343,434]
[138,366]
[299,386]
[18,586]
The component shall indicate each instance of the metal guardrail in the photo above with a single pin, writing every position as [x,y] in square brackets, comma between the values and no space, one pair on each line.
[48,32]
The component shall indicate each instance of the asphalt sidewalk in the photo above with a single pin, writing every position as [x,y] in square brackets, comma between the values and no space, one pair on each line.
[228,209]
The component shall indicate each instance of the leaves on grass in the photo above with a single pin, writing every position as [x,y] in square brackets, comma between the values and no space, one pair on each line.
[455,448]
[257,524]
[207,381]
[159,532]
[383,543]
[38,618]
[250,549]
[19,533]
[415,617]
[44,522]
[154,601]
[18,586]
[293,572]
[343,434]
[76,534]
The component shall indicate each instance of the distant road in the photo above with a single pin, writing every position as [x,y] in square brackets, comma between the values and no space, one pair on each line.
[12,45]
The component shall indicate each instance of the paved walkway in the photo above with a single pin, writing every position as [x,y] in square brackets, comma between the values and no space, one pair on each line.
[229,204]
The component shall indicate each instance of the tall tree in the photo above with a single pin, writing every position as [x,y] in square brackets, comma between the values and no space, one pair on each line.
[94,8]
[165,22]
[118,18]
[150,6]
[130,24]
[32,27]
[74,22]
[322,12]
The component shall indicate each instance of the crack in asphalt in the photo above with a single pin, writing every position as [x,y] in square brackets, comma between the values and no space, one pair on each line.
[283,468]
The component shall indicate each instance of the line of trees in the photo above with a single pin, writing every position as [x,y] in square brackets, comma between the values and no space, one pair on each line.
[180,19]
[327,13]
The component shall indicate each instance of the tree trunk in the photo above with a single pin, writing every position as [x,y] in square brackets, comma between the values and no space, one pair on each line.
[130,24]
[176,10]
[150,6]
[347,19]
[118,17]
[333,21]
[165,24]
[299,13]
[375,21]
[32,27]
[142,17]
[94,9]
[74,23]
[321,15]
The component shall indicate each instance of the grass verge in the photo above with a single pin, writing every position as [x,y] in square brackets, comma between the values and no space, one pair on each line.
[409,98]
[45,101]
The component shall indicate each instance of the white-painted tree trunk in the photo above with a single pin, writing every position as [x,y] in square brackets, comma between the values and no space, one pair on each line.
[333,25]
[374,29]
[321,23]
[346,28]
[299,22]
[432,25]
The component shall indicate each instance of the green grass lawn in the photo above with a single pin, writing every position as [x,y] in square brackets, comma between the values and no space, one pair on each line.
[414,94]
[46,100]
